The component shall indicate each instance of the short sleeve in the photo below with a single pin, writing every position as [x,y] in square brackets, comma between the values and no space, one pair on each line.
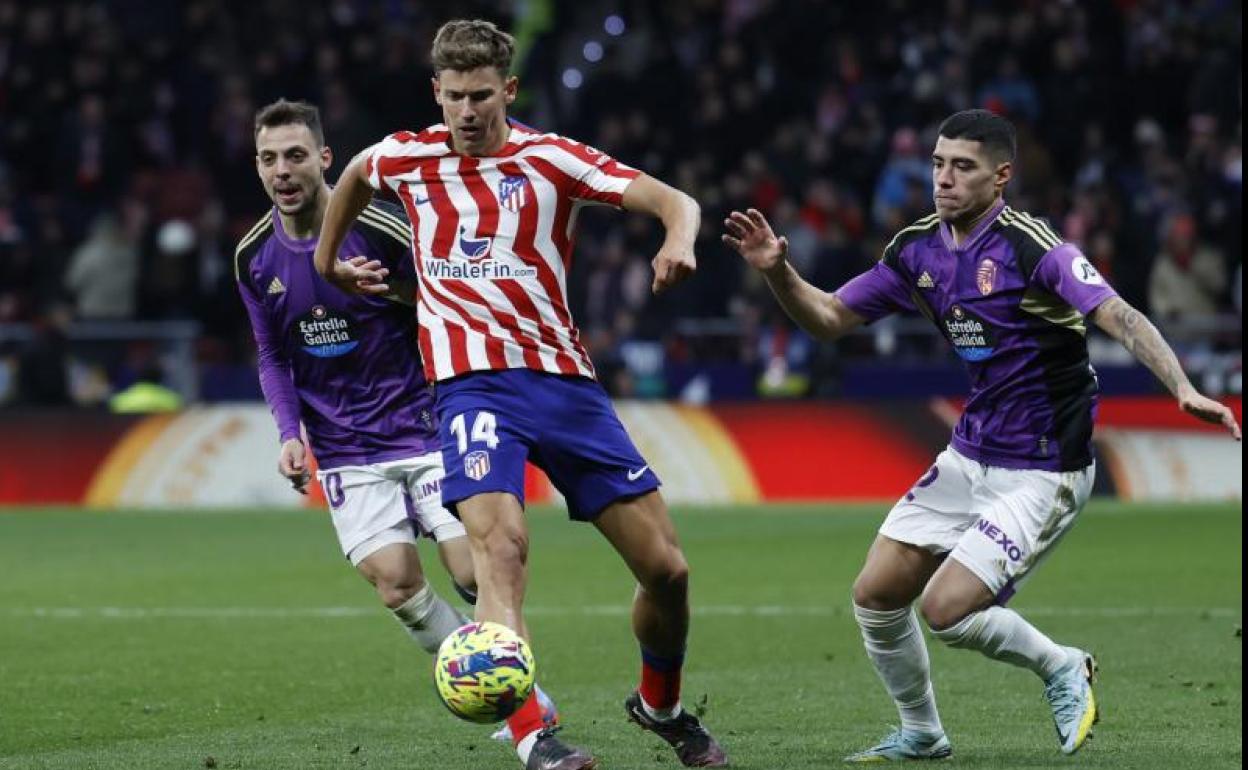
[592,175]
[876,293]
[388,157]
[1066,272]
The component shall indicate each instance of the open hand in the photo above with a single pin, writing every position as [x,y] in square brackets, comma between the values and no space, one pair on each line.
[751,236]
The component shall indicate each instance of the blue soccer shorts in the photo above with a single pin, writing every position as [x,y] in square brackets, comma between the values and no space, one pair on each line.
[491,422]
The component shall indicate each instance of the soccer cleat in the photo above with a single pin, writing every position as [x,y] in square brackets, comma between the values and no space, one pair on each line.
[693,744]
[903,746]
[1069,692]
[550,753]
[550,716]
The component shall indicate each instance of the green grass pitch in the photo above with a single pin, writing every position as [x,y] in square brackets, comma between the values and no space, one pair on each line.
[244,640]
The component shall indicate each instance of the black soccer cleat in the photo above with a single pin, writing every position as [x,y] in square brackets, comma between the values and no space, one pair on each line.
[550,753]
[693,744]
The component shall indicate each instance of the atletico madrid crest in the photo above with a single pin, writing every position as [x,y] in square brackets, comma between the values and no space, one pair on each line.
[513,192]
[476,465]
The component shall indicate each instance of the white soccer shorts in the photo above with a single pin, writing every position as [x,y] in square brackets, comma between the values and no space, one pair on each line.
[392,502]
[999,523]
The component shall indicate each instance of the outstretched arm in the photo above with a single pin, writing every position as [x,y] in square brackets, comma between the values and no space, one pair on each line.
[681,217]
[358,275]
[1139,336]
[821,314]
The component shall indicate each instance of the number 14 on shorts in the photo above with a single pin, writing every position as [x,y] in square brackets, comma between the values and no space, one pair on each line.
[484,431]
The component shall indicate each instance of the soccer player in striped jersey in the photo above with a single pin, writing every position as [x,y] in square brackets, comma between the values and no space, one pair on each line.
[493,206]
[347,368]
[1012,298]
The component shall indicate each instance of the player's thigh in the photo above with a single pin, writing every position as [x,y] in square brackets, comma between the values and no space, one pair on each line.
[1021,516]
[422,477]
[585,450]
[486,431]
[368,511]
[641,531]
[921,528]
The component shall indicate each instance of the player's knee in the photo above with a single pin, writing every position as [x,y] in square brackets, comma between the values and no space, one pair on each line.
[941,611]
[396,588]
[506,548]
[669,577]
[869,594]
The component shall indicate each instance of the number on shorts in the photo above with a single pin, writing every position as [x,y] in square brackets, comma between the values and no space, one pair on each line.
[928,479]
[333,490]
[484,430]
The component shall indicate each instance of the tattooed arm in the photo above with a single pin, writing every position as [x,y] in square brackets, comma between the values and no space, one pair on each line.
[1138,335]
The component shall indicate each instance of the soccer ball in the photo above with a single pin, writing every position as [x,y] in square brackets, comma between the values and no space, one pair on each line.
[484,672]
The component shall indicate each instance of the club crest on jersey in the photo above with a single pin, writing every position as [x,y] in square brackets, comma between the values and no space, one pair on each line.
[475,249]
[986,277]
[513,192]
[476,465]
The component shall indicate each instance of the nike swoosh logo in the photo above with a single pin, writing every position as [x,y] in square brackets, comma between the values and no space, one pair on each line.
[634,475]
[419,201]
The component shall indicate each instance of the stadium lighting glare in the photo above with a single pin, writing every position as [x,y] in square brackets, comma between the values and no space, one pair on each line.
[614,25]
[572,78]
[592,51]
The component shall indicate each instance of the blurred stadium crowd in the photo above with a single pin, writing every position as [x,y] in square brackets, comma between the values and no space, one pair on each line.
[126,161]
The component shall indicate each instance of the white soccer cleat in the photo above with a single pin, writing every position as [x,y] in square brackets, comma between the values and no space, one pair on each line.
[904,746]
[1070,695]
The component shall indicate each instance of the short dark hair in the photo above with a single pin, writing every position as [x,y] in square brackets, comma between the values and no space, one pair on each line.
[467,44]
[994,132]
[287,113]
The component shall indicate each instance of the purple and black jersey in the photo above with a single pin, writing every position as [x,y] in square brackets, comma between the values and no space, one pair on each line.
[1011,300]
[347,366]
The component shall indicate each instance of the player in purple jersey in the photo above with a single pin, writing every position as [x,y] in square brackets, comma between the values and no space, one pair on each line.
[1011,297]
[346,367]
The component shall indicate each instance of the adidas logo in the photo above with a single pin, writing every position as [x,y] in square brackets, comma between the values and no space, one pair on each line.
[277,287]
[925,281]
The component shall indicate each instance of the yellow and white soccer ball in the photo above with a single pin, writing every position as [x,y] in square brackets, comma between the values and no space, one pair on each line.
[484,672]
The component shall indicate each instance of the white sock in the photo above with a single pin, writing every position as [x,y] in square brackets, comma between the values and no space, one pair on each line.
[1004,635]
[428,618]
[894,642]
[661,715]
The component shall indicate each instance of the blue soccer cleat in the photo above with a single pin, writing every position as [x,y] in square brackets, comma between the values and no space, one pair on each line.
[904,746]
[1069,692]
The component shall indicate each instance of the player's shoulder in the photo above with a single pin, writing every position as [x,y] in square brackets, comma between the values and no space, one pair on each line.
[1027,232]
[250,244]
[387,220]
[1030,237]
[911,233]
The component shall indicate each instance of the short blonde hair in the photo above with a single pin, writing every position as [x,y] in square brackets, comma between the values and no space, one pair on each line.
[467,44]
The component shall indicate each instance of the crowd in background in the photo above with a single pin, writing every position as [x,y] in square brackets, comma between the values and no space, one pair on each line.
[127,156]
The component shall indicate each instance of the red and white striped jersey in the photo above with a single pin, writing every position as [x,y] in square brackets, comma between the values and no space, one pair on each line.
[492,238]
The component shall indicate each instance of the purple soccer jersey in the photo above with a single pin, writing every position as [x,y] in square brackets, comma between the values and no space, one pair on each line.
[1011,300]
[346,366]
